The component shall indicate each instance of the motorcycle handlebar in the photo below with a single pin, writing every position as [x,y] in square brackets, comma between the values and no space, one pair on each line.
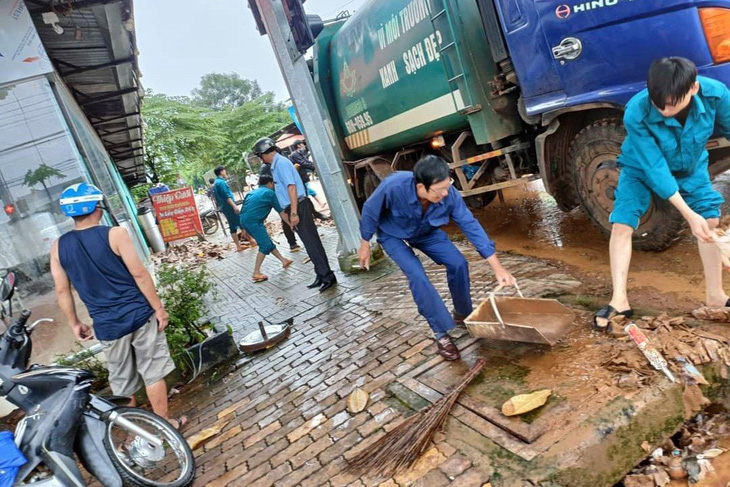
[19,324]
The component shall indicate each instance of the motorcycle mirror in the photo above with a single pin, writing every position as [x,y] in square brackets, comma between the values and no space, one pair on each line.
[7,287]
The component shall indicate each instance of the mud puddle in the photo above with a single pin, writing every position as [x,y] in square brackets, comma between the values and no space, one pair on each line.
[530,223]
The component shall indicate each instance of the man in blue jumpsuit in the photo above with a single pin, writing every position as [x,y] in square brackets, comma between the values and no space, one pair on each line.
[667,128]
[255,210]
[406,211]
[227,204]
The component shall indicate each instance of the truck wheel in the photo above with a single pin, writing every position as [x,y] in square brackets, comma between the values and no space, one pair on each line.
[370,183]
[593,156]
[480,200]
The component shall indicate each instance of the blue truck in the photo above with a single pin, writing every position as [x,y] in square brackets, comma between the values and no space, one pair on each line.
[508,91]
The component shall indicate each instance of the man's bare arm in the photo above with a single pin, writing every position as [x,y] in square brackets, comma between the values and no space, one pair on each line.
[121,244]
[65,296]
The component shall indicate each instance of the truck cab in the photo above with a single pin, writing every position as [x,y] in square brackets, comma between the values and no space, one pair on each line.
[577,63]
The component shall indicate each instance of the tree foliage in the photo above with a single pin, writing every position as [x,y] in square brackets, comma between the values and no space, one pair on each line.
[220,91]
[189,136]
[40,175]
[180,138]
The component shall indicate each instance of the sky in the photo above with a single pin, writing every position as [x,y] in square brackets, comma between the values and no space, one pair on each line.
[179,41]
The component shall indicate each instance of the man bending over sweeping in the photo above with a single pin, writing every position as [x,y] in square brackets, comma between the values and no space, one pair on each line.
[256,208]
[406,211]
[667,128]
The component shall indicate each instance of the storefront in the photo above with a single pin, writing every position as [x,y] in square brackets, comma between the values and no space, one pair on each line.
[59,127]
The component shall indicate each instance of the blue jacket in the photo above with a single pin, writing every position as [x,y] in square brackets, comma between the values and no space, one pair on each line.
[394,210]
[660,150]
[222,192]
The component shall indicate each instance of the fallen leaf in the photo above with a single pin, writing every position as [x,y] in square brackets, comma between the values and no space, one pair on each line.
[712,453]
[646,446]
[693,400]
[525,403]
[357,401]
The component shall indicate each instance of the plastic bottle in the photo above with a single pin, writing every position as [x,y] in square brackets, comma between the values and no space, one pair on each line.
[674,466]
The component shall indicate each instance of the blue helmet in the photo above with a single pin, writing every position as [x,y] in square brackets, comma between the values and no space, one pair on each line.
[80,199]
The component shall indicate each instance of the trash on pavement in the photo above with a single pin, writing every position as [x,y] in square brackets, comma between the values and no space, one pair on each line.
[199,438]
[525,403]
[652,354]
[357,401]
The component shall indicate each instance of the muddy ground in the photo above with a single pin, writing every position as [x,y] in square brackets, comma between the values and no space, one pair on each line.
[530,223]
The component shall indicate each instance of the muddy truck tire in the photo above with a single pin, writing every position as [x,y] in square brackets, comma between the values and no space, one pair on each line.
[593,157]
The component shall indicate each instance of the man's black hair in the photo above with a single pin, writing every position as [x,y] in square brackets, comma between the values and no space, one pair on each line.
[218,170]
[670,79]
[298,143]
[265,179]
[211,180]
[431,170]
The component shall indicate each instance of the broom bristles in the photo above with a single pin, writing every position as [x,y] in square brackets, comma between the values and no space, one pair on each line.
[401,447]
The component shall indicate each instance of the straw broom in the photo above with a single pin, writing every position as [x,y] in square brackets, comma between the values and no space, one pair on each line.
[400,448]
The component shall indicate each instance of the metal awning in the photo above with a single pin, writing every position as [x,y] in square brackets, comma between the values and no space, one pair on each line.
[96,56]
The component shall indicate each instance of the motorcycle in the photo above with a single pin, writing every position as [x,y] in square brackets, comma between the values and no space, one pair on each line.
[209,219]
[118,445]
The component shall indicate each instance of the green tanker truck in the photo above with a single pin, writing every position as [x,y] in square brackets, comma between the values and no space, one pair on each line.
[508,91]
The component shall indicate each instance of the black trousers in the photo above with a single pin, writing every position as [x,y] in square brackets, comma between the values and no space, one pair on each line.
[289,234]
[307,231]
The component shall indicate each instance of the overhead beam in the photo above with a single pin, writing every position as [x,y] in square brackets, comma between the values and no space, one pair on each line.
[103,133]
[115,119]
[126,142]
[76,5]
[88,69]
[109,96]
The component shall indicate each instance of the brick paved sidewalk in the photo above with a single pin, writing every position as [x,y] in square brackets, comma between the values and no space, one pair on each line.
[283,413]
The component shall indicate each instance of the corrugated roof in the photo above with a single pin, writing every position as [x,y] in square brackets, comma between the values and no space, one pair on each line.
[97,58]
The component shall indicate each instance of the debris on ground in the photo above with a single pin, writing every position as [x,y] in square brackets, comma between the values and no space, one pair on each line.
[683,347]
[524,403]
[687,455]
[190,252]
[357,401]
[198,439]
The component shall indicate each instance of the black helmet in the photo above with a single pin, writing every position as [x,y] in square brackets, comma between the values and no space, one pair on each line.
[264,145]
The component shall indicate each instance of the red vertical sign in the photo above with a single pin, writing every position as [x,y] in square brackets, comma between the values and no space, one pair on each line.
[177,214]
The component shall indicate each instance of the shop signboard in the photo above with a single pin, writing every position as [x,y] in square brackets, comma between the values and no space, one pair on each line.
[21,52]
[177,214]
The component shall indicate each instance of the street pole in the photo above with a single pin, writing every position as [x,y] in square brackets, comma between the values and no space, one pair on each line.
[318,131]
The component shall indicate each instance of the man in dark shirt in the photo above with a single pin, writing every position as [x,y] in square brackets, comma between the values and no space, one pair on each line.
[102,264]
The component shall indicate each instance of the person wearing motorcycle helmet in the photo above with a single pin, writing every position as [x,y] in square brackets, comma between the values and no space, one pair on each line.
[129,319]
[292,196]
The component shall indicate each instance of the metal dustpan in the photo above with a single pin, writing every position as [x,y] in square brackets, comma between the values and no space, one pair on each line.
[519,319]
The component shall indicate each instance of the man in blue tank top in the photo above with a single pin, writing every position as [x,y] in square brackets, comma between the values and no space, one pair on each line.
[102,264]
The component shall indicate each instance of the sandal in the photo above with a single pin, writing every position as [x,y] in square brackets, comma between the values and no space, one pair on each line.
[608,313]
[286,264]
[259,278]
[181,421]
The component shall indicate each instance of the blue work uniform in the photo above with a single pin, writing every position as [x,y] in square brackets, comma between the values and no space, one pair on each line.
[660,155]
[222,192]
[395,213]
[285,174]
[256,207]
